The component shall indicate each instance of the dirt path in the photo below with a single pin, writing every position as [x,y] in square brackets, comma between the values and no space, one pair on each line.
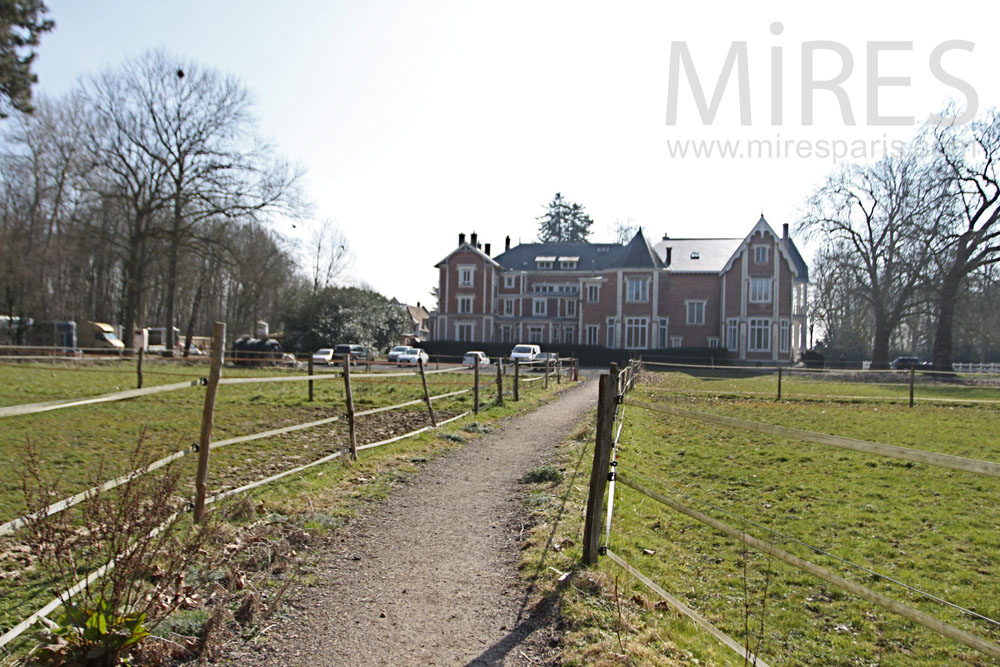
[429,577]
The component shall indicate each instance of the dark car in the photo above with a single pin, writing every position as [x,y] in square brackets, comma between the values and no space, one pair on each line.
[552,359]
[906,363]
[359,353]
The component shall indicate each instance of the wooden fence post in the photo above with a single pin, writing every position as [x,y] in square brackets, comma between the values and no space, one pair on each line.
[138,368]
[546,371]
[349,397]
[208,420]
[427,394]
[912,373]
[499,384]
[475,392]
[779,383]
[599,470]
[310,381]
[517,378]
[558,373]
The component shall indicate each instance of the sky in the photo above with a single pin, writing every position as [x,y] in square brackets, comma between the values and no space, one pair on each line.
[415,121]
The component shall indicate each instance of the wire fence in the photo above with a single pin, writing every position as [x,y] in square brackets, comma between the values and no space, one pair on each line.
[609,468]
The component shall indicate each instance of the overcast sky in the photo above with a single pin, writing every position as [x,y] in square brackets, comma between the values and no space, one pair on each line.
[418,120]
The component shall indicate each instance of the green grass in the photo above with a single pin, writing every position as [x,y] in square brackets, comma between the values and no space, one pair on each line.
[934,529]
[73,443]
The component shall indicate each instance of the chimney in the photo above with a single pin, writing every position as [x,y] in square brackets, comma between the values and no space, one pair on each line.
[473,238]
[487,251]
[666,237]
[784,231]
[669,253]
[506,245]
[461,238]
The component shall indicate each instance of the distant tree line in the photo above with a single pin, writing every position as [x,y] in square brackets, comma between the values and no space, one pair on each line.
[146,197]
[909,250]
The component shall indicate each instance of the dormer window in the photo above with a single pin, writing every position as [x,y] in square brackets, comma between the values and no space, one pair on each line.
[542,262]
[568,263]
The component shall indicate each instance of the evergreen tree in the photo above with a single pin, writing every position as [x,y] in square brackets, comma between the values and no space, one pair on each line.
[21,23]
[564,222]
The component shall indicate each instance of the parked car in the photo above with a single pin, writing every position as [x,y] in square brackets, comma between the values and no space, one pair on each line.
[551,357]
[411,356]
[358,353]
[475,357]
[906,363]
[323,356]
[524,353]
[395,352]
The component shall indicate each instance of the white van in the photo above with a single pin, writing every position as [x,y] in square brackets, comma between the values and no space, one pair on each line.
[524,353]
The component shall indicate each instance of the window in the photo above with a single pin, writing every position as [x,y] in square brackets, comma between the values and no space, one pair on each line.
[760,254]
[733,334]
[570,307]
[508,306]
[635,333]
[611,332]
[543,289]
[676,341]
[540,307]
[567,265]
[593,293]
[508,282]
[465,274]
[760,335]
[786,336]
[592,334]
[465,304]
[534,334]
[463,332]
[760,290]
[638,290]
[569,334]
[713,342]
[695,312]
[661,339]
[505,334]
[544,264]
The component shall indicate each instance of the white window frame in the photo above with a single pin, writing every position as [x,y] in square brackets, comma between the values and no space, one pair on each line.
[470,327]
[713,342]
[663,335]
[785,336]
[760,335]
[462,270]
[508,282]
[540,312]
[677,341]
[535,334]
[593,293]
[465,305]
[570,307]
[570,266]
[637,290]
[733,334]
[569,335]
[508,306]
[689,308]
[760,290]
[506,334]
[543,265]
[610,342]
[760,254]
[593,334]
[636,332]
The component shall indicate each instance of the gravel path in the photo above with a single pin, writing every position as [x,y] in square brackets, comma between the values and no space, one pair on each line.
[429,576]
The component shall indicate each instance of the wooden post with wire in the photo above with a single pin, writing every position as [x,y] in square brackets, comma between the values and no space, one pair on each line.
[517,380]
[499,383]
[208,420]
[310,381]
[427,395]
[779,383]
[546,371]
[138,369]
[475,389]
[912,373]
[558,372]
[349,397]
[606,402]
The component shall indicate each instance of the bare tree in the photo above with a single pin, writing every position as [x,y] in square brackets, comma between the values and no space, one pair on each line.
[966,236]
[868,217]
[330,256]
[622,231]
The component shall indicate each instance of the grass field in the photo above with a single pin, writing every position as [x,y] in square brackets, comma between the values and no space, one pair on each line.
[934,529]
[73,443]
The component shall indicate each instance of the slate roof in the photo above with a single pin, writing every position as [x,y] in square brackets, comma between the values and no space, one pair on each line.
[800,264]
[636,254]
[697,255]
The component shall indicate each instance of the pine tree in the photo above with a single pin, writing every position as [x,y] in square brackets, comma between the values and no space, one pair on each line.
[564,222]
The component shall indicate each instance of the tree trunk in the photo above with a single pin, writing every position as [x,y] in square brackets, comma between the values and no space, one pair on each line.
[944,334]
[189,332]
[880,346]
